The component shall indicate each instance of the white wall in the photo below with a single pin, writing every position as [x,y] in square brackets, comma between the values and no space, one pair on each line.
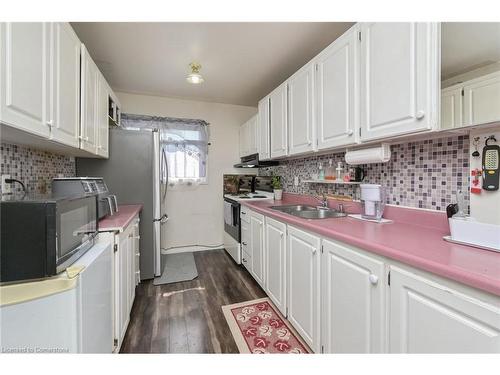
[196,214]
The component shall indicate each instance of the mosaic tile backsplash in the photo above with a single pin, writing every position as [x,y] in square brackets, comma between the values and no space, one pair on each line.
[424,174]
[35,168]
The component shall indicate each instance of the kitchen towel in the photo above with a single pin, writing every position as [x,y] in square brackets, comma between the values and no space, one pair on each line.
[228,213]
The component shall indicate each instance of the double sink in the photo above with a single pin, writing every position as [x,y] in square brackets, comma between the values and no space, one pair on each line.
[309,212]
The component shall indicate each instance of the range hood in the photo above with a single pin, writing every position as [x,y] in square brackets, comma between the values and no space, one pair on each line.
[252,161]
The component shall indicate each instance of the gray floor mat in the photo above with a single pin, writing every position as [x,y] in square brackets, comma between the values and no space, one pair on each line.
[178,267]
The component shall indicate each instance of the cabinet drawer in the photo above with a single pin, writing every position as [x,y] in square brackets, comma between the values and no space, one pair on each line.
[245,214]
[246,260]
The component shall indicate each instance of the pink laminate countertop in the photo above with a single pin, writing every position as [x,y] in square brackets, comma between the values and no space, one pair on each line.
[121,219]
[415,237]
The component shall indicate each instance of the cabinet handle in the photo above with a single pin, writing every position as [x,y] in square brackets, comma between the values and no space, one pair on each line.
[373,279]
[244,243]
[244,260]
[136,237]
[350,132]
[281,234]
[243,213]
[420,115]
[314,250]
[49,123]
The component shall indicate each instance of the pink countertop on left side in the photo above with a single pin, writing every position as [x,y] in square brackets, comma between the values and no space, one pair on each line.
[119,221]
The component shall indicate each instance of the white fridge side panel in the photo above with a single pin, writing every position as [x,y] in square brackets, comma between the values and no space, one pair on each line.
[156,203]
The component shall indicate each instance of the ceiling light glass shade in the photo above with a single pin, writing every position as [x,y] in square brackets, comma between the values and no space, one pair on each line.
[195,77]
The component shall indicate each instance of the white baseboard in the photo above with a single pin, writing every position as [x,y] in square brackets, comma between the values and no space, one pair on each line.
[189,249]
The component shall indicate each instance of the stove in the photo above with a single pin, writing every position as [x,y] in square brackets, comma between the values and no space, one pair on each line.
[250,196]
[249,188]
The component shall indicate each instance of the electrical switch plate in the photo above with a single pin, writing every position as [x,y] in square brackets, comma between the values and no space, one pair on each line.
[296,181]
[6,188]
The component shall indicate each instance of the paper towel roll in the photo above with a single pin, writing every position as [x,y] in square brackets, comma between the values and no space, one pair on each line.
[381,154]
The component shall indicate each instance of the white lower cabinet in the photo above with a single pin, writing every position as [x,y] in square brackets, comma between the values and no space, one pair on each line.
[257,243]
[275,261]
[341,299]
[427,317]
[126,276]
[303,284]
[353,301]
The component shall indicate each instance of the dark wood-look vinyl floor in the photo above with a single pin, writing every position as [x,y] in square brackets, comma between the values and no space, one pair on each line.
[187,317]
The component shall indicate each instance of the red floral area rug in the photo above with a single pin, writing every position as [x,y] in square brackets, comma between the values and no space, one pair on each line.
[258,328]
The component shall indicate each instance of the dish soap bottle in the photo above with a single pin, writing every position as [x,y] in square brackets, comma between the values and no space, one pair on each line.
[321,175]
[330,171]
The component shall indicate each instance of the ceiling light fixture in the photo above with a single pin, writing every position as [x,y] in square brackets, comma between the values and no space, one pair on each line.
[194,77]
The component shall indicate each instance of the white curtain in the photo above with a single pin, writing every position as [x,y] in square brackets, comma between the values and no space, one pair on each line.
[185,143]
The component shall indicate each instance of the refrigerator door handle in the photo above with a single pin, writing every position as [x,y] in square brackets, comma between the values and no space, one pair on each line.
[164,167]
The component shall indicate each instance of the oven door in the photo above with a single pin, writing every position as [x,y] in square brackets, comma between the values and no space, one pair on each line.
[232,222]
[76,229]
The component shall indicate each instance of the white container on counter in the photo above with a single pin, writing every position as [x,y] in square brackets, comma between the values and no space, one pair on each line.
[469,230]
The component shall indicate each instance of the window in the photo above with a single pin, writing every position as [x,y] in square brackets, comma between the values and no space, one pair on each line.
[183,143]
[186,149]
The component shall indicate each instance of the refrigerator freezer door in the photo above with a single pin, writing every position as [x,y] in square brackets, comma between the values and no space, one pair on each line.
[157,203]
[129,173]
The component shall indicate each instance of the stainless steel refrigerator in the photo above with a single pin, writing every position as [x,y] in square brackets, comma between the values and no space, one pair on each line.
[136,172]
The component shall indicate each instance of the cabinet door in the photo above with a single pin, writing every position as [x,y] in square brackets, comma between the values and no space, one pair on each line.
[25,76]
[102,117]
[122,287]
[399,70]
[427,317]
[252,135]
[131,270]
[301,111]
[89,87]
[246,240]
[66,85]
[451,108]
[244,139]
[353,301]
[263,130]
[337,92]
[481,100]
[304,285]
[275,261]
[257,241]
[278,121]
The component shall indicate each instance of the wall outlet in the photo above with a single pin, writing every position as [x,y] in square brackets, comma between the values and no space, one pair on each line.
[296,181]
[6,188]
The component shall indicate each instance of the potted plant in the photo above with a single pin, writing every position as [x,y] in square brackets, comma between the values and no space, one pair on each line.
[277,187]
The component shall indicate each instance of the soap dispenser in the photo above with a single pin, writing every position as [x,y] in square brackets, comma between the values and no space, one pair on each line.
[321,175]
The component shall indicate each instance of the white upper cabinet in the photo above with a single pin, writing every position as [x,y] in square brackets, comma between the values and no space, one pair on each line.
[89,103]
[451,108]
[353,295]
[301,111]
[399,71]
[275,262]
[252,135]
[304,285]
[482,100]
[25,76]
[248,137]
[65,114]
[278,121]
[263,140]
[102,117]
[257,243]
[337,82]
[427,317]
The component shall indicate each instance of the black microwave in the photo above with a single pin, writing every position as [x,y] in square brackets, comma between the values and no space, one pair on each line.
[42,236]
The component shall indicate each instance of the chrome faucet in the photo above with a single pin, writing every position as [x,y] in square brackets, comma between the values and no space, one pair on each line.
[323,200]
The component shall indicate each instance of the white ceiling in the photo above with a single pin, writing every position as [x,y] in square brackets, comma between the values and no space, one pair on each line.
[468,45]
[241,62]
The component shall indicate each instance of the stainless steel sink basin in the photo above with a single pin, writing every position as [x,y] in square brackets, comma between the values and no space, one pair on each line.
[309,212]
